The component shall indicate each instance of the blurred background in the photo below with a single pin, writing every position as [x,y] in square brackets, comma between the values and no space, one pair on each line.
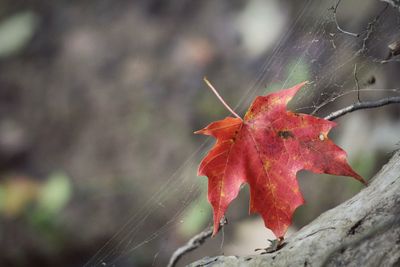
[99,101]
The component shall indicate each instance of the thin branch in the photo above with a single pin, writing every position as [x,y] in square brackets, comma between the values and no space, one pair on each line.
[357,84]
[385,61]
[370,30]
[363,105]
[220,98]
[337,24]
[195,242]
[332,99]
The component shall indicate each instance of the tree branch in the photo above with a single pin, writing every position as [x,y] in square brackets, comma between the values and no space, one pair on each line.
[193,243]
[363,105]
[337,24]
[367,33]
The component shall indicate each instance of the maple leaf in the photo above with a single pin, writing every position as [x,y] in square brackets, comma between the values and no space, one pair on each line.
[266,150]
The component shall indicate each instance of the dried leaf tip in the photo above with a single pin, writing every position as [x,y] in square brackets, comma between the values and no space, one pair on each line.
[220,98]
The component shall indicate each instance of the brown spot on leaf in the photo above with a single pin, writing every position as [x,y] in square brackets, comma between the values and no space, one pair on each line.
[285,134]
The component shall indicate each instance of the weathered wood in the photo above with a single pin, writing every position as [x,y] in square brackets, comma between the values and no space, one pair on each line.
[395,3]
[363,231]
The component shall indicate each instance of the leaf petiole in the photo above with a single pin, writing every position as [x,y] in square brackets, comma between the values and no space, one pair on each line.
[220,98]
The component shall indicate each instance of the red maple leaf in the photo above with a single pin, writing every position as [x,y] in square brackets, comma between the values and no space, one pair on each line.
[266,149]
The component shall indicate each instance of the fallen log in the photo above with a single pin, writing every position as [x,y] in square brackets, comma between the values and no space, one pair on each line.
[363,231]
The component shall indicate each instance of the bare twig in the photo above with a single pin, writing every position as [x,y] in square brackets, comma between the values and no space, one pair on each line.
[363,105]
[357,84]
[337,24]
[195,242]
[367,33]
[370,30]
[333,98]
[385,61]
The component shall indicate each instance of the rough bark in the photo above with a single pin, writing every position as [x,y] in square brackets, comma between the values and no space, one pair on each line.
[363,231]
[395,3]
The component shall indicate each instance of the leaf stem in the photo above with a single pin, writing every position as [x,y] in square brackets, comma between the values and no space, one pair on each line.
[220,98]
